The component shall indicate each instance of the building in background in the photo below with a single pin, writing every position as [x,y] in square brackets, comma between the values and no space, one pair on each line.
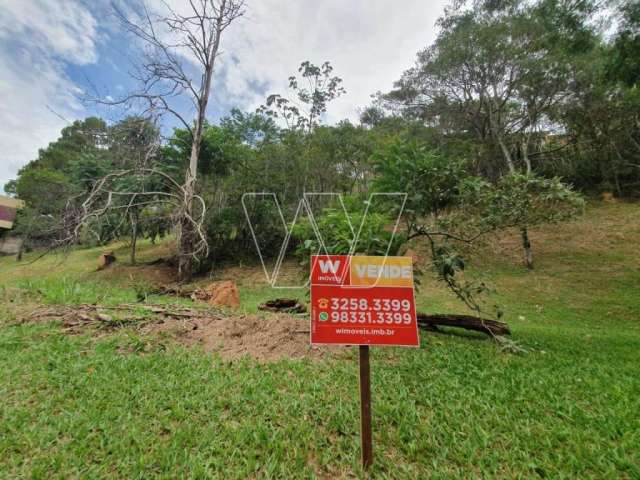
[9,245]
[8,209]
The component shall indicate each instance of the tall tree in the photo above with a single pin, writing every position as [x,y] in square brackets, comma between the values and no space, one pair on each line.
[171,40]
[302,112]
[498,69]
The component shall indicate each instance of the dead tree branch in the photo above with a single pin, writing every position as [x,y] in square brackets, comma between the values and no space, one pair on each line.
[173,42]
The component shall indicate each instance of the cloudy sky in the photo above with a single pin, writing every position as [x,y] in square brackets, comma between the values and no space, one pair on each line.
[53,50]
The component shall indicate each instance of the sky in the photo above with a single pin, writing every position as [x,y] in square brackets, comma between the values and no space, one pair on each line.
[52,51]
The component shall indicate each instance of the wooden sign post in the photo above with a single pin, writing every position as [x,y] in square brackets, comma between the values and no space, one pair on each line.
[365,408]
[358,300]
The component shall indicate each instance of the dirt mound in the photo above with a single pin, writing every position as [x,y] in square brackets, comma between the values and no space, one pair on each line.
[219,294]
[264,338]
[268,338]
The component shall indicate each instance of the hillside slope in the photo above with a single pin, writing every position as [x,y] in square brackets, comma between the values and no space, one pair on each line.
[127,403]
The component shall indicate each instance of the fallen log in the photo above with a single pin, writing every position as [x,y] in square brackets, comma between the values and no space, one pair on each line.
[169,262]
[285,305]
[81,315]
[173,290]
[426,321]
[162,310]
[468,322]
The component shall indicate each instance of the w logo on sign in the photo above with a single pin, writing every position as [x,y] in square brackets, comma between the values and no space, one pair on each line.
[327,266]
[305,207]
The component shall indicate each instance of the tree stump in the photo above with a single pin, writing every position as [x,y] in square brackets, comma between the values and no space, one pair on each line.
[105,260]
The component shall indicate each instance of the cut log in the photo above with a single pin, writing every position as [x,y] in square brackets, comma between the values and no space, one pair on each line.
[174,290]
[287,305]
[468,322]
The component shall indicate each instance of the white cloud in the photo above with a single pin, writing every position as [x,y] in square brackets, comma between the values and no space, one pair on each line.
[63,28]
[369,43]
[36,37]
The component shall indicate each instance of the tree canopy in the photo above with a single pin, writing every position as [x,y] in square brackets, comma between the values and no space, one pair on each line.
[514,113]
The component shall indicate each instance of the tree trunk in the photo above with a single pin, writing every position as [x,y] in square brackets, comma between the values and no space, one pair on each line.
[185,260]
[525,155]
[507,155]
[134,237]
[25,239]
[185,264]
[187,233]
[526,246]
[21,250]
[616,177]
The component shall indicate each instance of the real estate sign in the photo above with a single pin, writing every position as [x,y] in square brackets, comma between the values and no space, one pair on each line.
[362,300]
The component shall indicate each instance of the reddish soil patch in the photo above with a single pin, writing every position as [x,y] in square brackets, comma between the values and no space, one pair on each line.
[267,338]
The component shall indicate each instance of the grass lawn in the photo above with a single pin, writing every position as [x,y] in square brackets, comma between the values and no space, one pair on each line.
[87,406]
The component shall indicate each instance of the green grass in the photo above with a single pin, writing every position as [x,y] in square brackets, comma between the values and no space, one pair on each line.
[70,291]
[128,406]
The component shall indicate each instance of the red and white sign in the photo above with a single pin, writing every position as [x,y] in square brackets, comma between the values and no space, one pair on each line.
[358,300]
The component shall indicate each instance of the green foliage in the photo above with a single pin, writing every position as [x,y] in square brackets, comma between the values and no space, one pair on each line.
[528,200]
[429,179]
[451,210]
[132,141]
[87,137]
[156,222]
[508,86]
[328,159]
[624,62]
[220,150]
[252,129]
[535,88]
[338,232]
[490,95]
[45,191]
[318,89]
[230,235]
[602,146]
[58,181]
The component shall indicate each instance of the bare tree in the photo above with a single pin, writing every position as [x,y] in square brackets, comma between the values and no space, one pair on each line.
[172,41]
[108,195]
